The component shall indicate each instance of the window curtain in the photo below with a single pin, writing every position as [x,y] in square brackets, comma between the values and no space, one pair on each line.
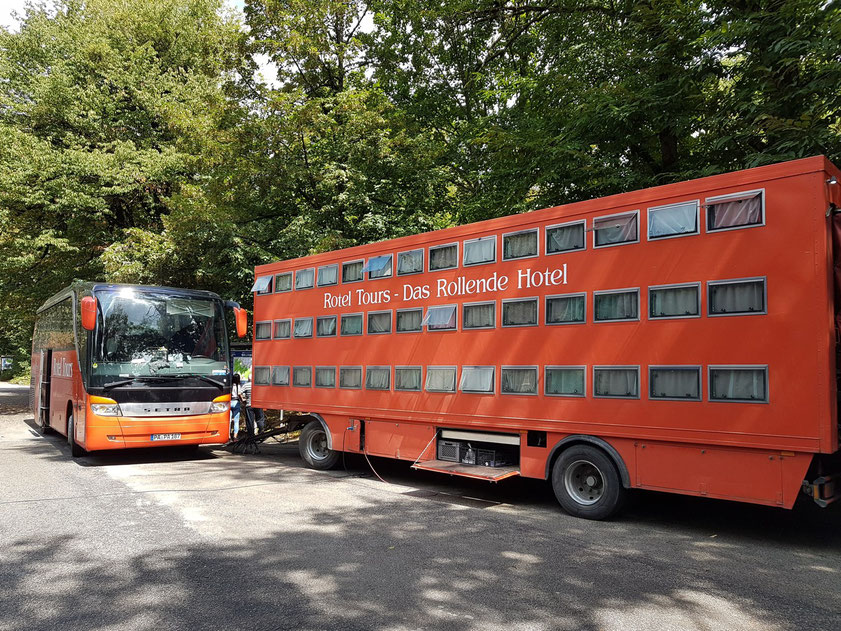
[303,327]
[737,297]
[377,378]
[477,316]
[441,379]
[516,246]
[521,312]
[675,383]
[407,378]
[618,306]
[674,301]
[325,377]
[410,262]
[443,257]
[302,376]
[565,381]
[280,375]
[519,380]
[737,212]
[351,272]
[352,325]
[477,379]
[283,282]
[328,275]
[616,383]
[326,327]
[481,251]
[350,377]
[565,238]
[438,318]
[743,384]
[679,219]
[379,266]
[615,229]
[304,278]
[263,331]
[261,375]
[379,322]
[565,309]
[409,320]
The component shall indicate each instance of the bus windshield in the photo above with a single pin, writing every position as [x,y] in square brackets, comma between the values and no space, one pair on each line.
[149,333]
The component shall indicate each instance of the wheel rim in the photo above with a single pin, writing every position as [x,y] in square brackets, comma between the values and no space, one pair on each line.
[584,482]
[317,448]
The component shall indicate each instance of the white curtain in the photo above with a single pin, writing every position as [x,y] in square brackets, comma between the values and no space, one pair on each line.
[352,325]
[737,212]
[280,375]
[350,377]
[480,251]
[477,379]
[565,309]
[671,220]
[674,301]
[410,262]
[303,327]
[675,383]
[479,316]
[748,297]
[377,378]
[379,266]
[616,382]
[569,381]
[282,329]
[615,229]
[325,377]
[304,278]
[519,380]
[516,246]
[351,272]
[409,320]
[618,306]
[302,376]
[261,375]
[283,282]
[328,275]
[438,318]
[440,379]
[263,330]
[565,238]
[379,322]
[443,257]
[745,384]
[326,326]
[520,312]
[407,378]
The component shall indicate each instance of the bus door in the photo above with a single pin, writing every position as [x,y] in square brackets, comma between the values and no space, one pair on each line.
[46,371]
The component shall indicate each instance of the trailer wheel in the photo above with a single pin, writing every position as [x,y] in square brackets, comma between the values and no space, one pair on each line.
[75,449]
[312,445]
[587,484]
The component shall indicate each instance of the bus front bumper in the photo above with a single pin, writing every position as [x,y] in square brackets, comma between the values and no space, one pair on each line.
[122,432]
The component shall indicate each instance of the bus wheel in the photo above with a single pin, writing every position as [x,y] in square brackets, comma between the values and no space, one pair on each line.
[587,484]
[313,448]
[75,449]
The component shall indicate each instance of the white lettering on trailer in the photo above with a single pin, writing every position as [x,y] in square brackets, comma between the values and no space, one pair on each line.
[526,279]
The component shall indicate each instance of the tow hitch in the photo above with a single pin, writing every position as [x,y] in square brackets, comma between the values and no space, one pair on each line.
[824,490]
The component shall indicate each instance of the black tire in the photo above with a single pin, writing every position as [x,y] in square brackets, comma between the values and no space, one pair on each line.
[75,449]
[312,445]
[587,484]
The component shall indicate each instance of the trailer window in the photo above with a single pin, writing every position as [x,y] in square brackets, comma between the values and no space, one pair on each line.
[519,245]
[443,257]
[675,382]
[262,330]
[352,324]
[302,376]
[408,378]
[325,326]
[441,379]
[410,262]
[565,238]
[304,278]
[477,379]
[352,272]
[614,306]
[378,378]
[519,380]
[740,210]
[616,229]
[747,384]
[479,315]
[263,285]
[519,312]
[379,322]
[378,267]
[409,320]
[736,297]
[564,381]
[325,376]
[478,251]
[619,382]
[566,309]
[675,301]
[440,318]
[283,282]
[303,327]
[280,376]
[350,377]
[674,220]
[262,375]
[328,275]
[282,329]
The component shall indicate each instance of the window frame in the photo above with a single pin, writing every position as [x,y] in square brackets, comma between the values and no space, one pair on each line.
[396,389]
[429,308]
[368,315]
[423,262]
[437,367]
[603,292]
[254,374]
[613,216]
[460,377]
[271,330]
[361,329]
[438,247]
[361,378]
[304,269]
[536,231]
[269,290]
[350,282]
[655,209]
[717,199]
[582,294]
[480,303]
[318,282]
[397,312]
[734,281]
[506,301]
[613,396]
[291,276]
[377,366]
[325,317]
[546,230]
[292,377]
[687,367]
[312,328]
[288,383]
[521,394]
[763,367]
[697,285]
[315,374]
[274,324]
[582,368]
[367,275]
[476,240]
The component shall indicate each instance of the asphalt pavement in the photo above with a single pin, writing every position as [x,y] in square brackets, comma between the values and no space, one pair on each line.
[172,539]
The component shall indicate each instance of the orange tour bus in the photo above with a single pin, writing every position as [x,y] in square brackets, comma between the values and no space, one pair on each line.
[680,338]
[120,366]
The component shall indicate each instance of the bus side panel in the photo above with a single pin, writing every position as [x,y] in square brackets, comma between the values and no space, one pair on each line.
[405,441]
[61,388]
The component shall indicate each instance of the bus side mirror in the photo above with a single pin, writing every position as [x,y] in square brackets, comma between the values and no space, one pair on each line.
[89,313]
[241,317]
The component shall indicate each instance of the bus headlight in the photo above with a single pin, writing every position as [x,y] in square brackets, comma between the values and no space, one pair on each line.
[219,406]
[106,409]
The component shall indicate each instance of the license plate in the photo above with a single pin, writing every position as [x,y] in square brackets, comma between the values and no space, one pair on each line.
[166,436]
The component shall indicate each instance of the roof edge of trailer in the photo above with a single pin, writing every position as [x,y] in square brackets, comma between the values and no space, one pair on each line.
[79,285]
[571,211]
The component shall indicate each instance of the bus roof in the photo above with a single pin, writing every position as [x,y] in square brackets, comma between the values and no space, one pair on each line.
[87,286]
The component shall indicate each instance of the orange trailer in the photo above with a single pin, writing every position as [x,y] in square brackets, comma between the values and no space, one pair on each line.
[679,338]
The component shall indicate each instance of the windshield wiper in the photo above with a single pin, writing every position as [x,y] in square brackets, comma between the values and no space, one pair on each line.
[125,382]
[215,382]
